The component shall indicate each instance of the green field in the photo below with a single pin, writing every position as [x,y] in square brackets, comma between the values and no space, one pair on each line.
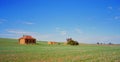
[11,51]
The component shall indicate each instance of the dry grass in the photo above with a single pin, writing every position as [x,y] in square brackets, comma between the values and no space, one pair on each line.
[11,51]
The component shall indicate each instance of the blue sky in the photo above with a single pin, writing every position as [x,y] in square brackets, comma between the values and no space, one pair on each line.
[87,21]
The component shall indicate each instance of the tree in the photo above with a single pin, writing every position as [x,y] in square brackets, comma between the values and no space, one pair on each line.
[98,43]
[110,43]
[70,41]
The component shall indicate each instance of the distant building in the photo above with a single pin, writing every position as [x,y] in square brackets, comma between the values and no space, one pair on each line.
[52,42]
[26,39]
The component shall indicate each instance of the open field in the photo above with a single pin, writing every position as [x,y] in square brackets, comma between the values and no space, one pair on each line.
[11,51]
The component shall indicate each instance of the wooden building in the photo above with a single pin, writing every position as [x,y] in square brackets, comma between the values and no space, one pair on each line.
[26,39]
[52,42]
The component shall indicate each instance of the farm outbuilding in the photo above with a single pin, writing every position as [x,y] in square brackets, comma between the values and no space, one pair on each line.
[52,42]
[26,39]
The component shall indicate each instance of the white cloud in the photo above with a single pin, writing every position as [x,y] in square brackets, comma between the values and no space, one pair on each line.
[61,31]
[7,35]
[61,35]
[110,7]
[2,20]
[57,28]
[28,23]
[119,9]
[20,33]
[77,30]
[14,31]
[117,17]
[101,39]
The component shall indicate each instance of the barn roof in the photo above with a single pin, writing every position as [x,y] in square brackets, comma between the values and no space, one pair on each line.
[26,37]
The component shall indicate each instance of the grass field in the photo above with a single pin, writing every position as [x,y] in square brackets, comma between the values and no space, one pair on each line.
[11,51]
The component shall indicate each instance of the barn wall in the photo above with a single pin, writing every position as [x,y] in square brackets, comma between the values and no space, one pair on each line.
[49,43]
[52,43]
[22,41]
[30,41]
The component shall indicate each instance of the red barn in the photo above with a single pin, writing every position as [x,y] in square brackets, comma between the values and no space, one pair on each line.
[26,39]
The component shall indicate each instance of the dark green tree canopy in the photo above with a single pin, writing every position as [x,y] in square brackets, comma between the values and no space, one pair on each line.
[70,41]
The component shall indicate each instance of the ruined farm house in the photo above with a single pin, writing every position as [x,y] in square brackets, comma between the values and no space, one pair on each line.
[52,42]
[26,39]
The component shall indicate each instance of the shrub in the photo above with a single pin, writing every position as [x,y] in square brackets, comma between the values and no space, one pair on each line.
[71,42]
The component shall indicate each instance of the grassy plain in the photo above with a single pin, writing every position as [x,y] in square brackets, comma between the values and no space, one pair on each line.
[11,51]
